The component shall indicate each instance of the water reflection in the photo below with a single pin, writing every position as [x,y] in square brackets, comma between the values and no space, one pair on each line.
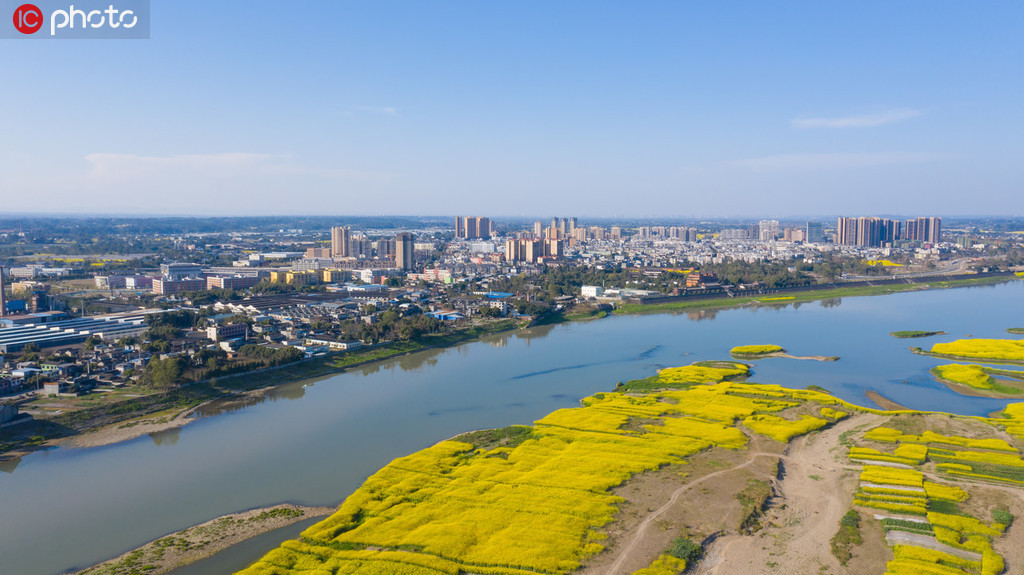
[830,302]
[288,391]
[535,332]
[166,437]
[702,314]
[419,360]
[10,464]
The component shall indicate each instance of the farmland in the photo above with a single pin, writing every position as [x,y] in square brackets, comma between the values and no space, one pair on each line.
[610,485]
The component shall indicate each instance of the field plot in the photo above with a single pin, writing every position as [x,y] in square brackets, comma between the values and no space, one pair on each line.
[623,484]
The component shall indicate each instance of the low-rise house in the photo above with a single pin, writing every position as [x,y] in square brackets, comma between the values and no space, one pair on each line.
[335,345]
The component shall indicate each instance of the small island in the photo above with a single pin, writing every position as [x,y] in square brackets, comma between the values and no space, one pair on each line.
[982,381]
[757,350]
[910,334]
[763,351]
[1015,330]
[989,350]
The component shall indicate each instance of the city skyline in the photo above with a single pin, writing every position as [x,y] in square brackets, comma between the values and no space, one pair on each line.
[600,110]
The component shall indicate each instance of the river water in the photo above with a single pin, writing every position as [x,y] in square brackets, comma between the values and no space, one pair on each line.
[314,442]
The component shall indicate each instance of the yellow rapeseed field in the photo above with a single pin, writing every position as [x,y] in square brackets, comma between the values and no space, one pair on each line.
[969,375]
[663,565]
[539,506]
[998,349]
[756,349]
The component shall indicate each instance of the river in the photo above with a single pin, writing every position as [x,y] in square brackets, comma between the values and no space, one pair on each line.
[313,442]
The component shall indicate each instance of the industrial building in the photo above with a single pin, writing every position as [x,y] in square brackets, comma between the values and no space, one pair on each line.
[45,333]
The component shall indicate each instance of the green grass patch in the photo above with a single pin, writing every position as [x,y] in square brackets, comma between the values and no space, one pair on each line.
[683,548]
[488,439]
[910,334]
[753,500]
[1002,516]
[893,524]
[846,537]
[944,506]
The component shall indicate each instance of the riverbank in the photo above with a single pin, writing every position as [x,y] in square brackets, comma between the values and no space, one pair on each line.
[168,410]
[172,410]
[399,406]
[204,540]
[806,295]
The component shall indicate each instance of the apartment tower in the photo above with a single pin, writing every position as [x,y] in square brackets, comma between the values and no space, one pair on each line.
[341,240]
[404,251]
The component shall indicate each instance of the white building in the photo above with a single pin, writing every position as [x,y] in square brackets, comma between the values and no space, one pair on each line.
[591,291]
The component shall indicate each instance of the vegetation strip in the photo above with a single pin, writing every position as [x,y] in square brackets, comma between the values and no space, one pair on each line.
[204,540]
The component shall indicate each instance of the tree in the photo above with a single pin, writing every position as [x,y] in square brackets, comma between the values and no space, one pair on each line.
[166,372]
[90,342]
[126,342]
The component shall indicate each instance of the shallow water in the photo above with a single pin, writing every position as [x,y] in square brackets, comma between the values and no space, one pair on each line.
[314,442]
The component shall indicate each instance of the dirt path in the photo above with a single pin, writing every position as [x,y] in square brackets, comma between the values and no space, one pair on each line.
[627,552]
[815,492]
[928,542]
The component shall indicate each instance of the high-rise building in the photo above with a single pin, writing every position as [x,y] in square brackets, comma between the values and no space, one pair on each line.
[616,233]
[846,232]
[533,250]
[404,251]
[571,228]
[341,240]
[924,230]
[470,227]
[538,229]
[3,298]
[384,247]
[767,230]
[514,250]
[813,233]
[359,246]
[878,232]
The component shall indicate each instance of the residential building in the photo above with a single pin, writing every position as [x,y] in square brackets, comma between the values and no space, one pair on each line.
[341,237]
[470,227]
[768,230]
[227,331]
[232,282]
[405,251]
[165,286]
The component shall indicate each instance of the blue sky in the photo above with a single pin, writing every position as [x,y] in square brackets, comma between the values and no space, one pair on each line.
[525,108]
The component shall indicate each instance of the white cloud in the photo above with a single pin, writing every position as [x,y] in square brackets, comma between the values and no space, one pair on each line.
[827,161]
[861,121]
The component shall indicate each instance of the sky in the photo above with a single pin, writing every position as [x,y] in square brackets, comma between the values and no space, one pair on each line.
[521,108]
